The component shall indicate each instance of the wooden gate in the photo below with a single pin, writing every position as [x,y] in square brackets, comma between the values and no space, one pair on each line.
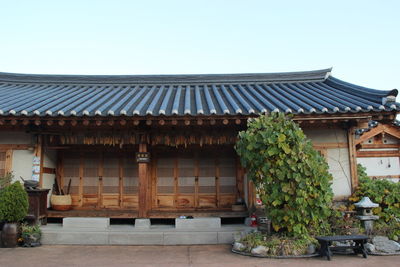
[100,179]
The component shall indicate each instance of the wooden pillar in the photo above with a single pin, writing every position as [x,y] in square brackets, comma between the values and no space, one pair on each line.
[352,158]
[38,153]
[217,189]
[143,184]
[81,166]
[8,163]
[239,179]
[100,182]
[251,191]
[121,178]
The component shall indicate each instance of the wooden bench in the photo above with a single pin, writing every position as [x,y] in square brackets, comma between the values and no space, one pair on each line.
[326,243]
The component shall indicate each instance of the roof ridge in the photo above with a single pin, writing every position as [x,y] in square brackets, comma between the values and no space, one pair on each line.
[314,75]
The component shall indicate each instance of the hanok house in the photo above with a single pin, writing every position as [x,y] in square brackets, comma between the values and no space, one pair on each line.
[378,150]
[160,146]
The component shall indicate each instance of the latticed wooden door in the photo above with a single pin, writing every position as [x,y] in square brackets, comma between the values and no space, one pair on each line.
[5,162]
[194,180]
[2,163]
[101,179]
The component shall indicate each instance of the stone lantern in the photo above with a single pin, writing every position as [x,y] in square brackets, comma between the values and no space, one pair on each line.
[364,213]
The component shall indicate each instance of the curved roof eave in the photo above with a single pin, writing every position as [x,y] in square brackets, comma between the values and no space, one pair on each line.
[381,93]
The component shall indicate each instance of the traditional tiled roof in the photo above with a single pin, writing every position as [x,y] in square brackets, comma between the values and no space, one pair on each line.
[180,95]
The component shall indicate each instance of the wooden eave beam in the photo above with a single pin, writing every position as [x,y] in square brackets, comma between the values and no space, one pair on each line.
[377,154]
[378,146]
[191,120]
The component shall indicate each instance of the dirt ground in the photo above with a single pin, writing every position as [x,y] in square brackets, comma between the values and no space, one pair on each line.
[177,256]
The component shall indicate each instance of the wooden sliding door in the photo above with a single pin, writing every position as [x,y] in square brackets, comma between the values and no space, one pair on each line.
[101,179]
[194,179]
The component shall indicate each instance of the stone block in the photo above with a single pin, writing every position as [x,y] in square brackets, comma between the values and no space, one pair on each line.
[238,246]
[74,238]
[147,238]
[82,222]
[198,223]
[190,238]
[142,223]
[225,237]
[259,251]
[383,244]
[48,238]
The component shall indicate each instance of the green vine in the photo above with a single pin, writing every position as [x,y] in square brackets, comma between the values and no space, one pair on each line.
[293,178]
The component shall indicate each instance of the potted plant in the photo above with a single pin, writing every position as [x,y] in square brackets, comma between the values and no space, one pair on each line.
[30,235]
[4,181]
[13,209]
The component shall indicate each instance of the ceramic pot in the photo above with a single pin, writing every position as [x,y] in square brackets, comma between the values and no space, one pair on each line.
[9,235]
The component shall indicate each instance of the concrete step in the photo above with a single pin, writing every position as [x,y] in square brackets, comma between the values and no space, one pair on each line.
[53,234]
[142,223]
[82,222]
[198,223]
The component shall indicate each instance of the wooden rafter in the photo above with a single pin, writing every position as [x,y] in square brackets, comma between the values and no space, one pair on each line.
[123,121]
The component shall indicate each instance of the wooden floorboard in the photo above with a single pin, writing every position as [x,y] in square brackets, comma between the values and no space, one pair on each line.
[176,214]
[93,213]
[152,214]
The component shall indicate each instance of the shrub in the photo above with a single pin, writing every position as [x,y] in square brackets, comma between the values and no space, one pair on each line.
[278,245]
[387,195]
[343,224]
[292,177]
[13,203]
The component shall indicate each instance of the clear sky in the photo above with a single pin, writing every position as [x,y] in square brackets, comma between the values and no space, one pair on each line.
[360,39]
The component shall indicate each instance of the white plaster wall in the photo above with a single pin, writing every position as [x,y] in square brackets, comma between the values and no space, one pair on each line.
[338,158]
[379,166]
[15,138]
[22,164]
[388,139]
[326,135]
[339,167]
[21,159]
[49,161]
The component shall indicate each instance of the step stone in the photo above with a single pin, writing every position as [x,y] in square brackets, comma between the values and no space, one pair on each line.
[122,235]
[198,223]
[82,222]
[142,223]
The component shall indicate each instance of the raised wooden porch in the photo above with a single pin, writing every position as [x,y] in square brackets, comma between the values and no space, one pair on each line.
[120,214]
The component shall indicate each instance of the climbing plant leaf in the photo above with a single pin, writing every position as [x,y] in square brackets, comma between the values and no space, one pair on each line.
[292,177]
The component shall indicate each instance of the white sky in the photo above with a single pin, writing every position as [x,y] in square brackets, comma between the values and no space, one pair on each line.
[360,39]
